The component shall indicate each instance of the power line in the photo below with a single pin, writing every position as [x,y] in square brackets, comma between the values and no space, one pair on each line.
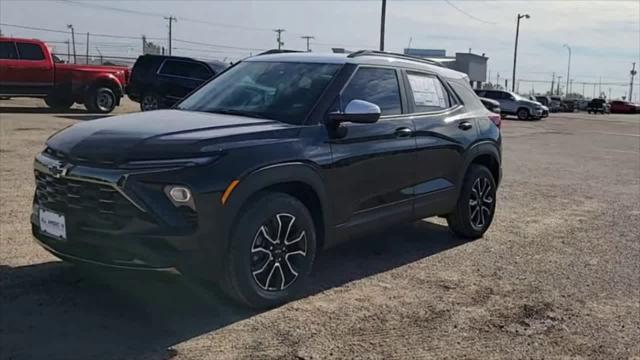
[469,15]
[132,37]
[154,14]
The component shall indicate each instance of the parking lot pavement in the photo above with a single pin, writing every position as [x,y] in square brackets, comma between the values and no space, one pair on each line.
[557,275]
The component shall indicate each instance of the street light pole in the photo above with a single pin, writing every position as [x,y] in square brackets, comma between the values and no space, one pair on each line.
[568,69]
[382,21]
[515,51]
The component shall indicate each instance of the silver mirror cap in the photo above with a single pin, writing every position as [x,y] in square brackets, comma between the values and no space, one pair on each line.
[361,107]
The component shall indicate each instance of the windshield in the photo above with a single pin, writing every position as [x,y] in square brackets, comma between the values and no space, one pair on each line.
[283,91]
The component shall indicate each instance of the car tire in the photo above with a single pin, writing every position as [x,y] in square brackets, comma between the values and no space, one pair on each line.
[523,114]
[267,266]
[57,103]
[101,100]
[476,205]
[149,102]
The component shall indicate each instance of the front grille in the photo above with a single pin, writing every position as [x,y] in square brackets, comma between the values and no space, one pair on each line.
[86,204]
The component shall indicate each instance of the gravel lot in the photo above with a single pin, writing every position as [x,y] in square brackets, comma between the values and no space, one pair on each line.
[558,274]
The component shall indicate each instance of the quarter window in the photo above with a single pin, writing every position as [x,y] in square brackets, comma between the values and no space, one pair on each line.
[428,93]
[8,50]
[375,85]
[30,51]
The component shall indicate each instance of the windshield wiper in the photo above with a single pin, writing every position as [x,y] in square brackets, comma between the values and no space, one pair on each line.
[239,113]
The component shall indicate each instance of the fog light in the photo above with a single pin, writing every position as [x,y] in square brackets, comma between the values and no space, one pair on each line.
[179,194]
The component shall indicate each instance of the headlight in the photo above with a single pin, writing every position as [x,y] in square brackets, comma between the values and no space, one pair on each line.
[150,164]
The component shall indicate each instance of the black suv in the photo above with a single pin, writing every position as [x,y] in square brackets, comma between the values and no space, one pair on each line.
[159,81]
[276,158]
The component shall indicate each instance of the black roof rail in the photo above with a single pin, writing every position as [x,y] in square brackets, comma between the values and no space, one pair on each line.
[395,55]
[276,51]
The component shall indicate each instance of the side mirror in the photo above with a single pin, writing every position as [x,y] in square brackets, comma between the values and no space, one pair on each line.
[357,111]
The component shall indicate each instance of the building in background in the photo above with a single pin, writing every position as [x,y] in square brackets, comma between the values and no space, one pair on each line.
[474,65]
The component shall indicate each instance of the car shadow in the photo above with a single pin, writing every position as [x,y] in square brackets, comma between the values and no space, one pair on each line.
[85,117]
[37,110]
[57,310]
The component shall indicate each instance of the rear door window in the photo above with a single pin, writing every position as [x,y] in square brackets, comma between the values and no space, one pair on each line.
[177,68]
[29,51]
[199,71]
[8,50]
[375,85]
[428,93]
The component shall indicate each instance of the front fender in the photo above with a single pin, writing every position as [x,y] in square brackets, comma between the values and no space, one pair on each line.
[271,175]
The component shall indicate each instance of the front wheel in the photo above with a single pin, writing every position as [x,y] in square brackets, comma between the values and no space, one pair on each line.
[271,253]
[101,100]
[523,114]
[476,205]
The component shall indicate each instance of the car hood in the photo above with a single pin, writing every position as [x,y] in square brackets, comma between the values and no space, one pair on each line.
[163,134]
[530,102]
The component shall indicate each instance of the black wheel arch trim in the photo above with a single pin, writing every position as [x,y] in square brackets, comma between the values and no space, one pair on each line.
[485,147]
[273,175]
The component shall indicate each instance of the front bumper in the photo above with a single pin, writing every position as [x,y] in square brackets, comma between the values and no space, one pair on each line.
[122,219]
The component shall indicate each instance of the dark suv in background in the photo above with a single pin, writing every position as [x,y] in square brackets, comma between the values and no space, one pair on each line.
[159,81]
[278,157]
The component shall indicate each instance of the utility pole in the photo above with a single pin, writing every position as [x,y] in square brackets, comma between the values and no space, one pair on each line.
[633,73]
[87,53]
[497,80]
[73,40]
[515,51]
[144,44]
[68,52]
[568,68]
[583,93]
[307,37]
[171,19]
[101,57]
[570,89]
[382,20]
[558,86]
[600,87]
[279,37]
[506,83]
[553,81]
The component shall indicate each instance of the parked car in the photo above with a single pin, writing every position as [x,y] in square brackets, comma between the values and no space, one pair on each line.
[624,107]
[582,104]
[545,111]
[568,106]
[282,155]
[542,99]
[491,105]
[28,69]
[598,106]
[556,104]
[514,104]
[159,81]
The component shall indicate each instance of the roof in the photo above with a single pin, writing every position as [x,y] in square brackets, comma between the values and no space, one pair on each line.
[364,59]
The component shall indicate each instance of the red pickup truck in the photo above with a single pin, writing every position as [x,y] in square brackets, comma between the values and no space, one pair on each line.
[28,69]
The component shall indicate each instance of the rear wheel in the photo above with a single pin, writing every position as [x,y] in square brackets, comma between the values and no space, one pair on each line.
[149,102]
[476,205]
[58,103]
[101,100]
[271,252]
[523,114]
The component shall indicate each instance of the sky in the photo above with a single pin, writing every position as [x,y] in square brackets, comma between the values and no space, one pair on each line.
[604,36]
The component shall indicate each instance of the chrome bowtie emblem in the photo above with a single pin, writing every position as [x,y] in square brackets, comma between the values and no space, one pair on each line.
[59,170]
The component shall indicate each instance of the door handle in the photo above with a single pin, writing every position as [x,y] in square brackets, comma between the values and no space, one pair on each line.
[403,132]
[465,125]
